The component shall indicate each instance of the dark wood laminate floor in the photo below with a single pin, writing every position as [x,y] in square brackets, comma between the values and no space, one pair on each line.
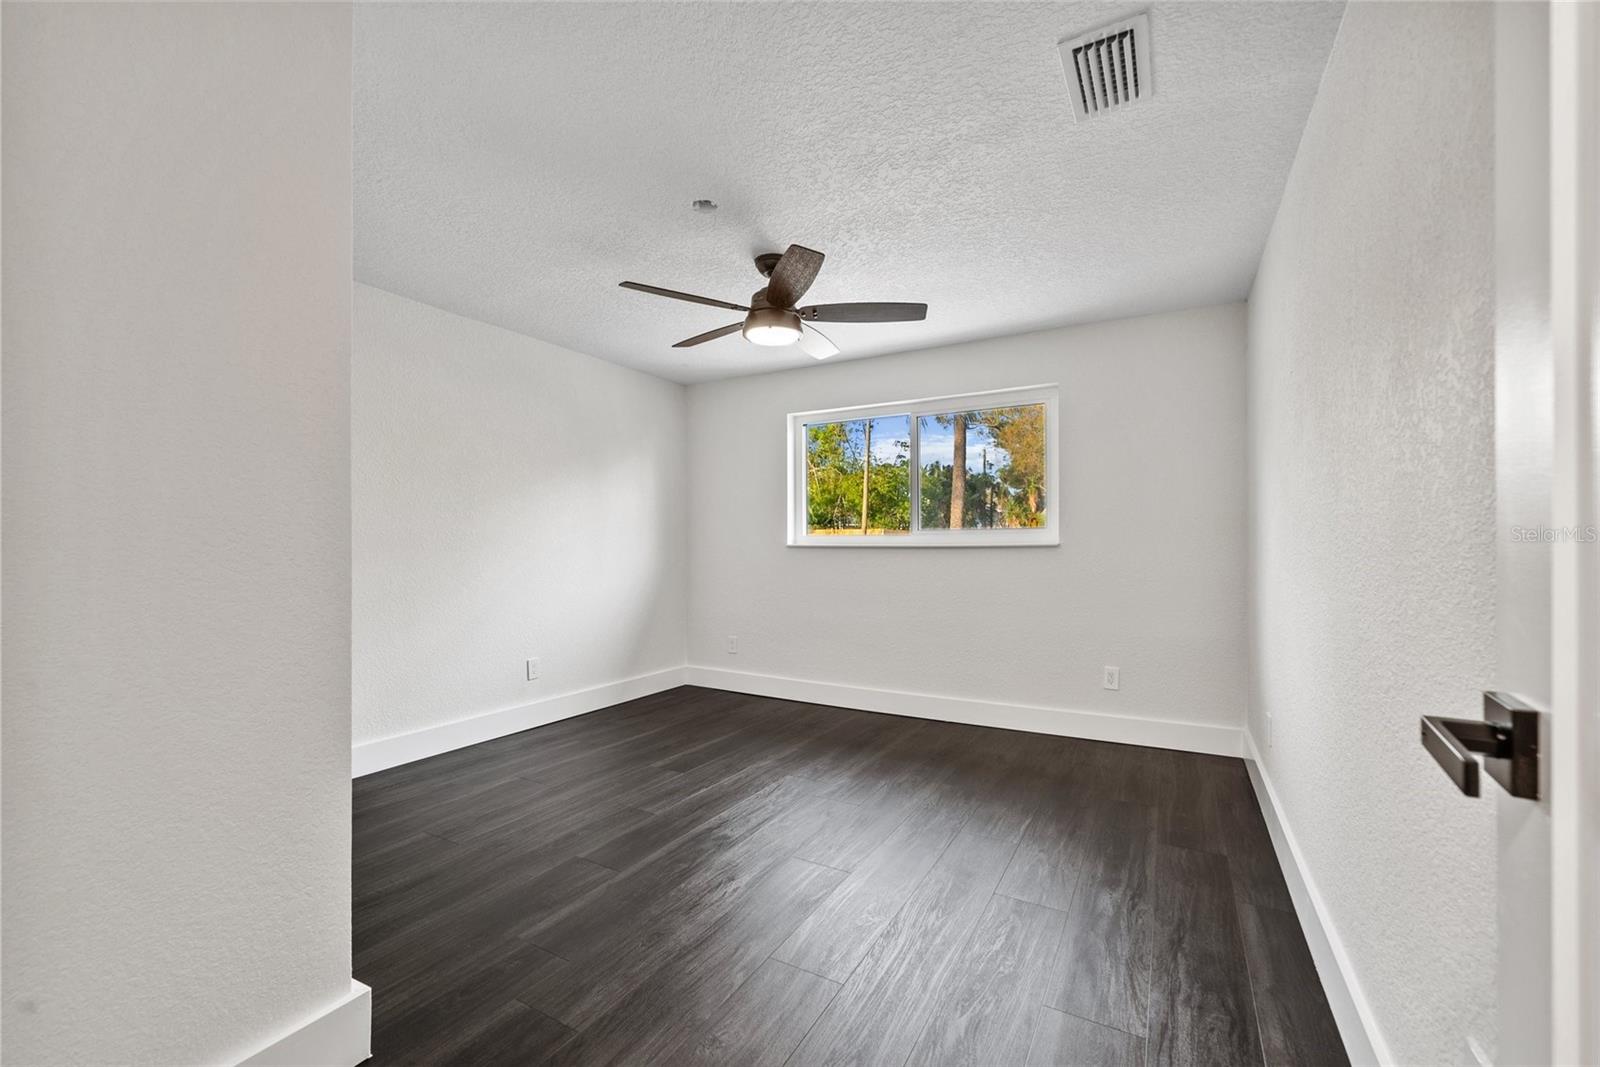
[701,877]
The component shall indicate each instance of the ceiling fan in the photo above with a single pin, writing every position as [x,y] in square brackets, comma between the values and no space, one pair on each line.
[772,317]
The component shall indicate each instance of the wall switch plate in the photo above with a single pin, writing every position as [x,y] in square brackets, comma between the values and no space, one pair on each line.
[1112,678]
[733,645]
[533,670]
[1268,720]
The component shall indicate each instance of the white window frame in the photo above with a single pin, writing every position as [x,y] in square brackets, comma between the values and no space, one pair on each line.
[1048,534]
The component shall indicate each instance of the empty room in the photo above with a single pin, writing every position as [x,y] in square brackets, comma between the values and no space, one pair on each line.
[788,534]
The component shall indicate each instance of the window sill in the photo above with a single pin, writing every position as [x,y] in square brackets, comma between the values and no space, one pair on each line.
[976,539]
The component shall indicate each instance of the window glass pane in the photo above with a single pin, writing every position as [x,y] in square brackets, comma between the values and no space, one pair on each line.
[858,476]
[983,469]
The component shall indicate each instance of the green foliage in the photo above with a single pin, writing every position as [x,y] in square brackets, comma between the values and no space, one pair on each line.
[1008,495]
[889,504]
[1020,432]
[986,499]
[835,457]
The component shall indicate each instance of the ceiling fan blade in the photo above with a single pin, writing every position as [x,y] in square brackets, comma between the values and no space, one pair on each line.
[814,344]
[864,312]
[709,335]
[793,275]
[690,297]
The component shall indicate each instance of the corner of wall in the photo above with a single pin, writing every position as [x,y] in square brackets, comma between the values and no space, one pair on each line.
[338,1034]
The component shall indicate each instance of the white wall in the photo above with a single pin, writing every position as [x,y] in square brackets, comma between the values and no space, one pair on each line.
[1149,575]
[176,522]
[1372,527]
[512,499]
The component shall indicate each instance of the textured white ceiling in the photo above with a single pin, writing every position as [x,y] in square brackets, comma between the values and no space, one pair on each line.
[515,162]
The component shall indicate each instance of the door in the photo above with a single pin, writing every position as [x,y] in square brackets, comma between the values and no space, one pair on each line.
[1547,188]
[1575,506]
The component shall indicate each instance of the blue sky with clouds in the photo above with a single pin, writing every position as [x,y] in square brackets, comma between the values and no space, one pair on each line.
[892,433]
[938,445]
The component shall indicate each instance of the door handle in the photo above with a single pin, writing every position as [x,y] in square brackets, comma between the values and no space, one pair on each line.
[1505,742]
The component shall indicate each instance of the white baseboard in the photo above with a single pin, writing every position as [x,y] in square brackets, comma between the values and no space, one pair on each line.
[372,756]
[337,1035]
[1093,725]
[1363,1041]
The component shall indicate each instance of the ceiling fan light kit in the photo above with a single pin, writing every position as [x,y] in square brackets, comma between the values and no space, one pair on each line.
[772,326]
[772,319]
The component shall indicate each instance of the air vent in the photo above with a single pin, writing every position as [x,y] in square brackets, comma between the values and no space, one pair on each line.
[1110,68]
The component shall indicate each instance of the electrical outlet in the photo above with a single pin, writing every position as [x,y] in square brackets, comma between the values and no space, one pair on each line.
[533,670]
[1112,678]
[733,645]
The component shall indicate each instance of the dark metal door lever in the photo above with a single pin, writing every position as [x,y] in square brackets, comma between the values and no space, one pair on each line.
[1507,739]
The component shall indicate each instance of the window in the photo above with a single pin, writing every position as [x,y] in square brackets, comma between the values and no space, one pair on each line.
[954,471]
[858,477]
